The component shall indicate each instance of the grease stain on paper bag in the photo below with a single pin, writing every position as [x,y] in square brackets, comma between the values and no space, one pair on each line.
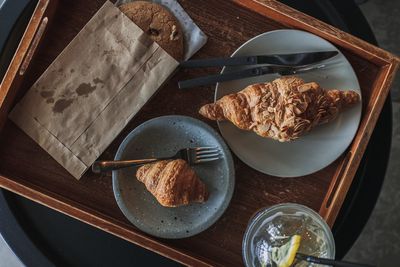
[93,88]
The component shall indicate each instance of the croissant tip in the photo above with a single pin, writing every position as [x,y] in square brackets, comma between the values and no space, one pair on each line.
[212,111]
[351,98]
[140,173]
[203,111]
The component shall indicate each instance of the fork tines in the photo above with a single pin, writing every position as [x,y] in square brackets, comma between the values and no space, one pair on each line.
[205,154]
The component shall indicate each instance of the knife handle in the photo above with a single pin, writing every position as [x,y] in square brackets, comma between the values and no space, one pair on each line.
[212,79]
[219,62]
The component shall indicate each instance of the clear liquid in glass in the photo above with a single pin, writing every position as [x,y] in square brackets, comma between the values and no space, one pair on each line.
[277,230]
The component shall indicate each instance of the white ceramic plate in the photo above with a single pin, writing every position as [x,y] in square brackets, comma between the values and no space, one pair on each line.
[324,143]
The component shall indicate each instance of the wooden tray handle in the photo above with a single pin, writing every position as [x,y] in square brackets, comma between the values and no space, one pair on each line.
[32,48]
[333,198]
[27,47]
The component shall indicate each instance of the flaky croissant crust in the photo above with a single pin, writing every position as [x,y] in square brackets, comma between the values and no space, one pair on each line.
[283,109]
[173,183]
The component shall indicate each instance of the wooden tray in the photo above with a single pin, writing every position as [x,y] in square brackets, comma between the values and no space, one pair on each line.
[28,170]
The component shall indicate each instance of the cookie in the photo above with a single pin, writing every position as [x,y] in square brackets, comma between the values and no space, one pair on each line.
[159,24]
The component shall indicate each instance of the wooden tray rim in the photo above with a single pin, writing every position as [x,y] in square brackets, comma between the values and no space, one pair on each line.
[388,64]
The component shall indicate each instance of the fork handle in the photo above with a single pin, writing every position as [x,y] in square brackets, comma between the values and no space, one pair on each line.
[109,165]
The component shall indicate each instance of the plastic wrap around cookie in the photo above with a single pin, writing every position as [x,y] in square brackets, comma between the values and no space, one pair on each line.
[194,37]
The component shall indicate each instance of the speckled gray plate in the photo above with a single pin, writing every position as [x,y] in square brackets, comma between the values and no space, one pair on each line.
[163,136]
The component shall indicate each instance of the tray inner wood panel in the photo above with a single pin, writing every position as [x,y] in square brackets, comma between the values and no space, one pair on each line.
[227,27]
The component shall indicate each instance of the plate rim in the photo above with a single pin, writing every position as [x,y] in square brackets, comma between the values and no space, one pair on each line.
[230,175]
[358,115]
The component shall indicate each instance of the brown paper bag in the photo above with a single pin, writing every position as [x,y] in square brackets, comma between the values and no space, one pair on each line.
[92,90]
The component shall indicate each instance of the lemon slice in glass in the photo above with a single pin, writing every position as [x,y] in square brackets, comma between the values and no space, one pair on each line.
[284,255]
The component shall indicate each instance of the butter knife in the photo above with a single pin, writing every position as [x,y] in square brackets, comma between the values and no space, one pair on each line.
[252,72]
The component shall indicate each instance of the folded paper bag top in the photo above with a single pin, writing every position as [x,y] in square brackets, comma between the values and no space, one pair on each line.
[93,88]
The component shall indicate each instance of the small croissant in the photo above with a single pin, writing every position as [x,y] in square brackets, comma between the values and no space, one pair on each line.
[173,183]
[283,109]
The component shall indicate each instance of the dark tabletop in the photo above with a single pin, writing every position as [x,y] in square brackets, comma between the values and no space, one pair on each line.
[40,236]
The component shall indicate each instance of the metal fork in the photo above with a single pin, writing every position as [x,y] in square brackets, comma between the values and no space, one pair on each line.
[193,156]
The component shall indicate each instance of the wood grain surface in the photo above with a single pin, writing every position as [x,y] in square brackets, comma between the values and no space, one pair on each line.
[28,170]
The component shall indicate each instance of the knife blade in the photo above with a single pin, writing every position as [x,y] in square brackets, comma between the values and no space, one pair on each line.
[252,72]
[297,59]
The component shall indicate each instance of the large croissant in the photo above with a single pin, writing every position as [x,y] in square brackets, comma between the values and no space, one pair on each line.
[282,109]
[173,183]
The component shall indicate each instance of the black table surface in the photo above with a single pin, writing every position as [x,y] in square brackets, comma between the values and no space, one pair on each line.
[40,236]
